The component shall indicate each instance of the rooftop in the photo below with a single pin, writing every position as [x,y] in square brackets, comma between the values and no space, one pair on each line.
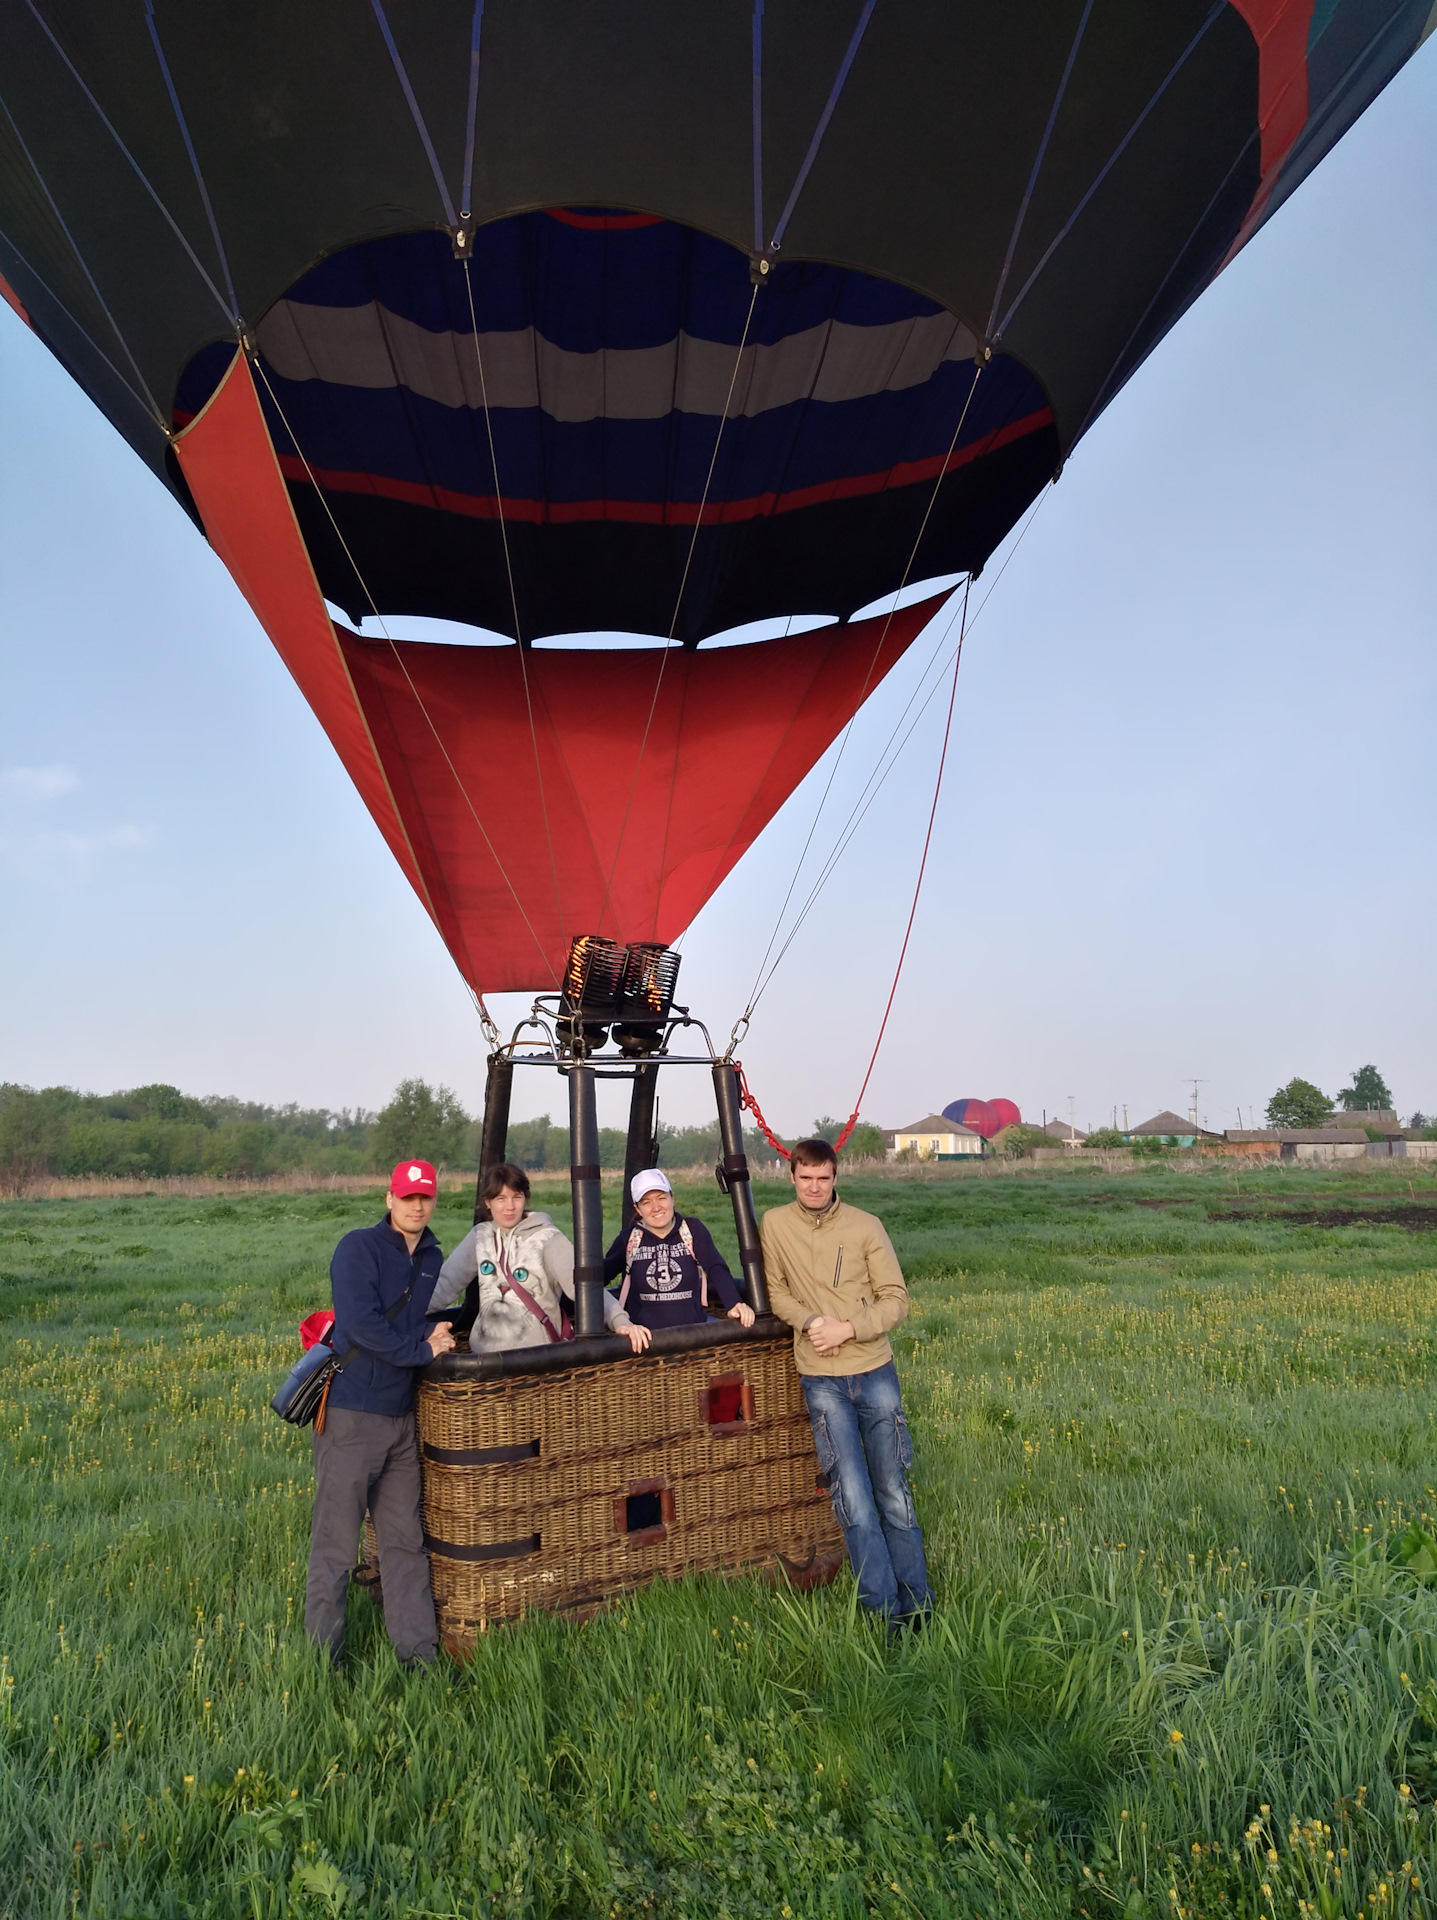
[936,1123]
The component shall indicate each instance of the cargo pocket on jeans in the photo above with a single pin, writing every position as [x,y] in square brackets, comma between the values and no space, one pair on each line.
[903,1460]
[828,1474]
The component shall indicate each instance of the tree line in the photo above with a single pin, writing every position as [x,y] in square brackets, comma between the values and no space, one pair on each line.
[1301,1103]
[152,1131]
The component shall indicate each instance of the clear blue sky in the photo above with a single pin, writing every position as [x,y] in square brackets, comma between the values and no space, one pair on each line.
[1187,827]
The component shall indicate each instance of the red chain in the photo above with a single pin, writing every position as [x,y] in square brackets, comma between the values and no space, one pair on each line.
[747,1100]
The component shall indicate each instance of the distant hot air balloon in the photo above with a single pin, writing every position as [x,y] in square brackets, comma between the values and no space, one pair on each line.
[548,317]
[1006,1113]
[974,1114]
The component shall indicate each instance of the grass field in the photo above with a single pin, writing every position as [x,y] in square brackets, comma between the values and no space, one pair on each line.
[1175,1464]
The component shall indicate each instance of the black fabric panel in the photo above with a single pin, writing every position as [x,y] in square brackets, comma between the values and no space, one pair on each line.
[632,103]
[156,299]
[928,151]
[302,130]
[63,312]
[612,576]
[1097,286]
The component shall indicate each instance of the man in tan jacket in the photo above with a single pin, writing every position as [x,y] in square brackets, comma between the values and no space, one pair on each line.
[834,1277]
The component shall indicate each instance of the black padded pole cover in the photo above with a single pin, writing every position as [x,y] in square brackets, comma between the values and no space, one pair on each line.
[494,1138]
[642,1148]
[740,1189]
[588,1203]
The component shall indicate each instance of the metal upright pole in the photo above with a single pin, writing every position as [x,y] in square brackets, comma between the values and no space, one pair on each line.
[642,1148]
[588,1202]
[494,1136]
[740,1189]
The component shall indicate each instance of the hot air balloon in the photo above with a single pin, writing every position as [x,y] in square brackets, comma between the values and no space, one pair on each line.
[976,1115]
[548,318]
[1006,1113]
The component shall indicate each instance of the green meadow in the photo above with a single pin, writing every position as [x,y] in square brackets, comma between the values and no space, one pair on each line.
[1175,1463]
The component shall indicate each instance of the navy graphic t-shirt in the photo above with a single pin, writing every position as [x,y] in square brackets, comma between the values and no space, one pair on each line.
[665,1286]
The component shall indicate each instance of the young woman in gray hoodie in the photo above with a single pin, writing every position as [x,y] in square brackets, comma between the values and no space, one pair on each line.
[514,1273]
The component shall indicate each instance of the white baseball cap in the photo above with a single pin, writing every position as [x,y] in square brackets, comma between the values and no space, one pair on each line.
[649,1181]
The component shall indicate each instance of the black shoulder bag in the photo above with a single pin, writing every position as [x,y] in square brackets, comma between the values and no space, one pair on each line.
[304,1393]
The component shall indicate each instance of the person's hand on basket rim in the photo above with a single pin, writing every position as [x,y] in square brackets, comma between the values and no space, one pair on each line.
[638,1337]
[441,1340]
[743,1313]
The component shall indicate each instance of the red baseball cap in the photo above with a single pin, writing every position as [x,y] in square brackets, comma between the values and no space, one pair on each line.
[411,1177]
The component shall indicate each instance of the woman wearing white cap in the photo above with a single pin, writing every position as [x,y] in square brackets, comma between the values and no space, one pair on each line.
[670,1263]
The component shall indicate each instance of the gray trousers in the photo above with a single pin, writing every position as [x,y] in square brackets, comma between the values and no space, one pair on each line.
[369,1460]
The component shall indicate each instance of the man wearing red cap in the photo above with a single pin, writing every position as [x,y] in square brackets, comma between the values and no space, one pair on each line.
[367,1452]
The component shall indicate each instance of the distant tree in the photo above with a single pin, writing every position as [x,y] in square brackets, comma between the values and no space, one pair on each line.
[426,1121]
[1298,1104]
[866,1142]
[1104,1137]
[159,1102]
[1015,1141]
[1367,1094]
[525,1146]
[1420,1120]
[827,1129]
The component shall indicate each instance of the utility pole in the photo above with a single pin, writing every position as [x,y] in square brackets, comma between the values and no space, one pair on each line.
[1192,1110]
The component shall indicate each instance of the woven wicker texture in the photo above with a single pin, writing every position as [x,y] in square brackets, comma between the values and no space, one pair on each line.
[564,1489]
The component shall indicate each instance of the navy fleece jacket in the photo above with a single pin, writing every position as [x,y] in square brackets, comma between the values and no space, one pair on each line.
[370,1270]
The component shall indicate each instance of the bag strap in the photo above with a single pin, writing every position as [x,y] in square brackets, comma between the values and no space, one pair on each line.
[526,1299]
[342,1360]
[686,1236]
[634,1242]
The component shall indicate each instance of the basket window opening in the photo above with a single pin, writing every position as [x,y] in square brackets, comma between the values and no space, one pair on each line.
[726,1404]
[642,1511]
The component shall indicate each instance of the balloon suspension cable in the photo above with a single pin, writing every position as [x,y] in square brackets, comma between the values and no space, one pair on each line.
[847,1134]
[418,697]
[746,1098]
[514,603]
[761,979]
[678,604]
[889,754]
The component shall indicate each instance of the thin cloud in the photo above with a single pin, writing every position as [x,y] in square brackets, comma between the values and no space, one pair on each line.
[39,783]
[66,857]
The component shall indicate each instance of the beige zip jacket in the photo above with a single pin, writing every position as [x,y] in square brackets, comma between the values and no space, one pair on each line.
[841,1264]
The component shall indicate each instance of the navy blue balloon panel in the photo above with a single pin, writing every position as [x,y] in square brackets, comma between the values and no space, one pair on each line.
[626,384]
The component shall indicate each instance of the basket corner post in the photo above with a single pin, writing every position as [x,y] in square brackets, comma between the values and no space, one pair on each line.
[739,1184]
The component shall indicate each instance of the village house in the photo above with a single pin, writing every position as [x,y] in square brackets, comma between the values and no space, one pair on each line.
[934,1138]
[1171,1129]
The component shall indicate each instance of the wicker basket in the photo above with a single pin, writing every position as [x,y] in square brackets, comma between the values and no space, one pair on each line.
[562,1489]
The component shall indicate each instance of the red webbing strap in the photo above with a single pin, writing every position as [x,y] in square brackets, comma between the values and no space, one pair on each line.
[746,1099]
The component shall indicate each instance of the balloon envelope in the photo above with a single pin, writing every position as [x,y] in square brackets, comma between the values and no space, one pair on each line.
[549,318]
[974,1114]
[1006,1113]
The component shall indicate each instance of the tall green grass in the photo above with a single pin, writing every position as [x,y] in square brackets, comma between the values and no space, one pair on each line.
[1176,1471]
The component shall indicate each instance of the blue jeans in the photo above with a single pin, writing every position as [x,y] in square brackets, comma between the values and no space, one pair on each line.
[865,1451]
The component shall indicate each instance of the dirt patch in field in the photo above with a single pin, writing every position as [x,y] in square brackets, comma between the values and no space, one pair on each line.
[1414,1219]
